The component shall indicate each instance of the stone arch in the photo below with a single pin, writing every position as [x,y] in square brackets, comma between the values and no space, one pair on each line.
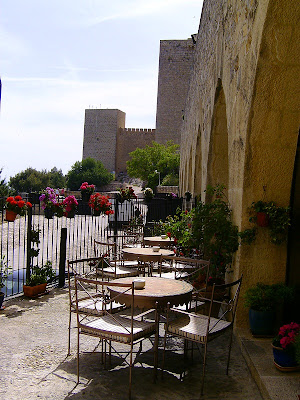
[198,165]
[217,166]
[272,135]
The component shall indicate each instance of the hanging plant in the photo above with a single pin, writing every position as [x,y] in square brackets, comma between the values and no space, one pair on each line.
[276,218]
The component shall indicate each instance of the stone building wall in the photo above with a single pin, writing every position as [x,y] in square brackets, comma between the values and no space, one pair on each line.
[127,141]
[176,59]
[242,119]
[100,135]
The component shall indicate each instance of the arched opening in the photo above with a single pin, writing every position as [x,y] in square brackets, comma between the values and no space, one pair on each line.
[198,165]
[217,172]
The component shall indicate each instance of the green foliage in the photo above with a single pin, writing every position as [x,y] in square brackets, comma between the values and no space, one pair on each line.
[56,178]
[5,271]
[5,190]
[88,170]
[35,240]
[158,157]
[279,219]
[263,297]
[214,232]
[41,274]
[170,180]
[32,180]
[179,227]
[247,236]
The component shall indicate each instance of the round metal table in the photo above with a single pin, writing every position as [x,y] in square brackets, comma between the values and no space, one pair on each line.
[145,254]
[160,290]
[158,241]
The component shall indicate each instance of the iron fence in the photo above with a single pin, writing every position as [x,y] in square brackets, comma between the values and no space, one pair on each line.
[76,235]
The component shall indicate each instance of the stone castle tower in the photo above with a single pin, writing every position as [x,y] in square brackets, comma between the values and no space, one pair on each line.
[105,136]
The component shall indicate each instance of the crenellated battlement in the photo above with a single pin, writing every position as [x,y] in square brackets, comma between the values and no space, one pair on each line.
[137,130]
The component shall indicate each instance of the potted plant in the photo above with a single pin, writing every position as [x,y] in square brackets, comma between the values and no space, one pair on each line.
[86,191]
[126,194]
[70,204]
[259,213]
[286,347]
[48,199]
[213,231]
[247,236]
[148,193]
[270,215]
[15,206]
[263,301]
[100,204]
[4,272]
[39,277]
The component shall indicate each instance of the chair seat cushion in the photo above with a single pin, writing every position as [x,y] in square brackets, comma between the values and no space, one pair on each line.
[90,306]
[128,263]
[117,328]
[194,328]
[119,271]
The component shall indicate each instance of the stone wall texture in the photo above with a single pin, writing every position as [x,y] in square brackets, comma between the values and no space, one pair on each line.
[100,135]
[176,59]
[242,119]
[127,141]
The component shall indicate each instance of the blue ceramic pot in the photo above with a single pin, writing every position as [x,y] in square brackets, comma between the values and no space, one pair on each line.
[262,323]
[284,358]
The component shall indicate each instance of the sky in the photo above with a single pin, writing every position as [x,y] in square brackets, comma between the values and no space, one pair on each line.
[60,57]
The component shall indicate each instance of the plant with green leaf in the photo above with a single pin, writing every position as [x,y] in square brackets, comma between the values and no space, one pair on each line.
[5,271]
[278,219]
[179,227]
[145,163]
[41,274]
[265,297]
[212,229]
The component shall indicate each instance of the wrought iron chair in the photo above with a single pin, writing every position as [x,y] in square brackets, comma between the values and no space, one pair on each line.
[105,249]
[112,327]
[85,267]
[114,269]
[199,328]
[190,270]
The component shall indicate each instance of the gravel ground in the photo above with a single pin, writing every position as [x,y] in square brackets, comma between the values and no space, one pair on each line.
[35,365]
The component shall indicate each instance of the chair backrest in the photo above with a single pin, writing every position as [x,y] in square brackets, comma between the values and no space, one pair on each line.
[103,295]
[84,267]
[105,249]
[228,305]
[186,268]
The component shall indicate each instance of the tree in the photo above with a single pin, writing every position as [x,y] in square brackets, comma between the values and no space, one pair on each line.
[57,178]
[149,162]
[4,187]
[29,180]
[88,170]
[32,180]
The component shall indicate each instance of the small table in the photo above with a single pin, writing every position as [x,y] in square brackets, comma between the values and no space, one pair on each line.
[158,241]
[145,254]
[160,290]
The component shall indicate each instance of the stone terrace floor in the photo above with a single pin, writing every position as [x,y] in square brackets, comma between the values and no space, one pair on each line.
[34,362]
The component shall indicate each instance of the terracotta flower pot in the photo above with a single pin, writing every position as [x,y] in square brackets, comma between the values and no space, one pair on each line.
[262,219]
[34,291]
[10,216]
